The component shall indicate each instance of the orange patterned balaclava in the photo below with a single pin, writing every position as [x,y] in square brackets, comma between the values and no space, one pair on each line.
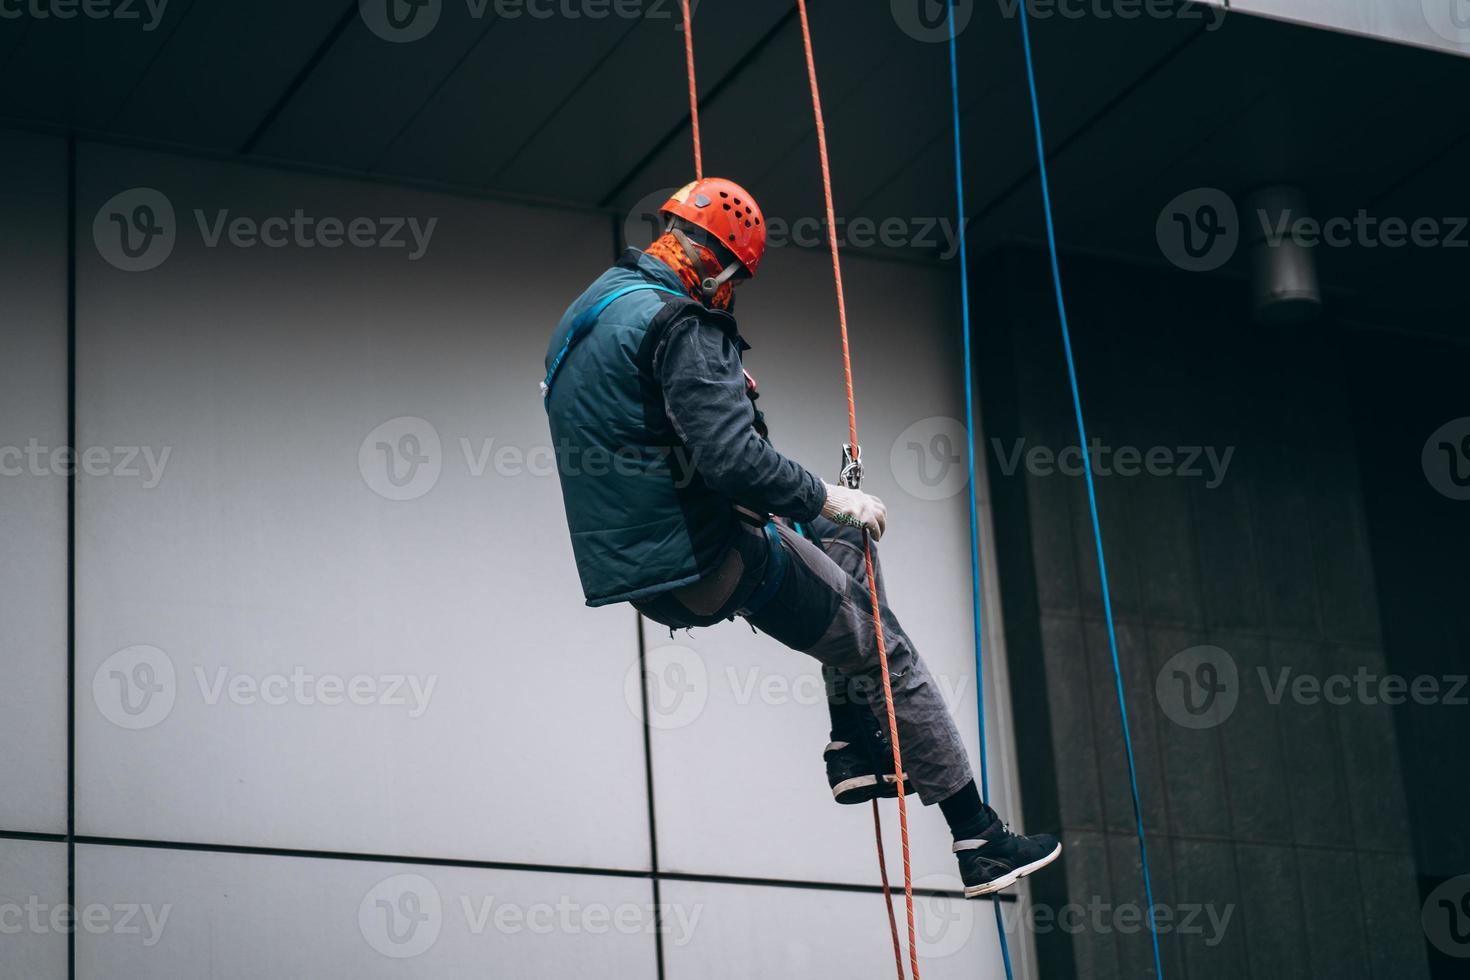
[668,251]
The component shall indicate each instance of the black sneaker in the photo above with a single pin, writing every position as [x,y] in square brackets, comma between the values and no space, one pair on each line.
[860,771]
[996,859]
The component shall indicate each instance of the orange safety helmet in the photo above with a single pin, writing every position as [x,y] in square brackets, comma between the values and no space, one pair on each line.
[728,212]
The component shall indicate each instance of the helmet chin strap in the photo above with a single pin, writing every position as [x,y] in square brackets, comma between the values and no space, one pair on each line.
[710,284]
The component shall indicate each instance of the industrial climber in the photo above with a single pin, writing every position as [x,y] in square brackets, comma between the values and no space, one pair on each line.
[645,369]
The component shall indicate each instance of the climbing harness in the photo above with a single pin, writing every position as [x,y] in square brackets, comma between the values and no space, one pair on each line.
[1102,566]
[582,326]
[852,471]
[775,573]
[977,612]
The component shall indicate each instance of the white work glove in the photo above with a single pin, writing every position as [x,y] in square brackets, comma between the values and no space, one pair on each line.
[855,509]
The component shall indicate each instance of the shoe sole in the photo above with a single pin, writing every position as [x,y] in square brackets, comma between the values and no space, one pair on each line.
[1010,878]
[861,789]
[858,789]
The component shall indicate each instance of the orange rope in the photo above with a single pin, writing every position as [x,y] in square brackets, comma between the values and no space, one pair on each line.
[887,896]
[693,91]
[903,818]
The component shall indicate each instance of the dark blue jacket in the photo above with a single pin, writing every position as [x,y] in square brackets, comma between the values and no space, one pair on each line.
[654,440]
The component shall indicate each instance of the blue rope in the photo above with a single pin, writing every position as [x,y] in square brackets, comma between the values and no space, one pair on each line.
[975,591]
[1056,276]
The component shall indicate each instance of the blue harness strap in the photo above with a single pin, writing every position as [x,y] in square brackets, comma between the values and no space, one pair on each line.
[775,573]
[584,323]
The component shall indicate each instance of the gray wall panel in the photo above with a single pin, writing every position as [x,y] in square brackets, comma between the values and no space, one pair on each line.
[280,381]
[242,917]
[33,483]
[32,900]
[748,931]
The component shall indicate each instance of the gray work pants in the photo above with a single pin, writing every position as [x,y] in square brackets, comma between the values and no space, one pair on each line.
[822,608]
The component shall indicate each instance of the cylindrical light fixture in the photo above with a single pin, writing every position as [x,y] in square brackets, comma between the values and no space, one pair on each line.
[1284,285]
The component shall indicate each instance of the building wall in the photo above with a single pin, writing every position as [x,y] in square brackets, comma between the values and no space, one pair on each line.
[1440,24]
[1284,813]
[327,465]
[1408,395]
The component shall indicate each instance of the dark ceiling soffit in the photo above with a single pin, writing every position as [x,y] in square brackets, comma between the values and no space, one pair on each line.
[300,78]
[683,124]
